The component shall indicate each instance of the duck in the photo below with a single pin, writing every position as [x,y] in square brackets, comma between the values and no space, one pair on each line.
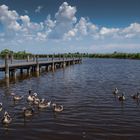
[136,96]
[116,91]
[16,97]
[36,100]
[27,111]
[6,118]
[44,104]
[121,98]
[31,97]
[57,108]
[0,106]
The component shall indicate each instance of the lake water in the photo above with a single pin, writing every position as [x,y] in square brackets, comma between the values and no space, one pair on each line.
[91,112]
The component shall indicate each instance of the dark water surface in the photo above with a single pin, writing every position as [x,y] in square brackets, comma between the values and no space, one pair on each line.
[91,112]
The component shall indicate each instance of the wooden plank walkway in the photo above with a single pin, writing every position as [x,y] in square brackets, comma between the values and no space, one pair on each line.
[10,69]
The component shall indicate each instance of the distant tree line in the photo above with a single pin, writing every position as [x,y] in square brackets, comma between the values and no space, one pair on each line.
[24,54]
[116,55]
[16,55]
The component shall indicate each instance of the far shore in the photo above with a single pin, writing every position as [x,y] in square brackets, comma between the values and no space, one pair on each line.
[23,55]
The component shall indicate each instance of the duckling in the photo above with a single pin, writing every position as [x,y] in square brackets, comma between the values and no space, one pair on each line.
[136,96]
[0,106]
[116,91]
[16,97]
[6,118]
[121,98]
[44,104]
[27,111]
[57,108]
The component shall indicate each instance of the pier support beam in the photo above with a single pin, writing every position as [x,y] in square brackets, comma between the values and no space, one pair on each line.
[64,64]
[73,61]
[6,66]
[29,70]
[53,66]
[13,73]
[37,65]
[49,68]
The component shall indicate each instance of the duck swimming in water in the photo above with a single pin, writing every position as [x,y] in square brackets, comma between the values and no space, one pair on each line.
[136,96]
[57,108]
[16,97]
[36,100]
[31,97]
[121,98]
[28,111]
[44,104]
[116,91]
[6,118]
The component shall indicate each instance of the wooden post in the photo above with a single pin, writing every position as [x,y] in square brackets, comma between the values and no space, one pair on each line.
[37,64]
[69,62]
[48,68]
[53,67]
[6,66]
[47,57]
[29,70]
[59,56]
[28,58]
[81,58]
[73,61]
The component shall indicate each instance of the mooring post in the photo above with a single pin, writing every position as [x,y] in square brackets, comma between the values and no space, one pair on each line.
[6,66]
[28,58]
[73,61]
[37,64]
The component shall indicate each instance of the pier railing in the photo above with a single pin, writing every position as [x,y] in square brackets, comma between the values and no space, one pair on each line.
[35,64]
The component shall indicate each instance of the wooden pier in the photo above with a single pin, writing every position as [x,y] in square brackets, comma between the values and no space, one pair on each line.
[10,67]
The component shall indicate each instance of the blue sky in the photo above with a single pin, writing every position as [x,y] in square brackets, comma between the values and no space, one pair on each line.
[55,26]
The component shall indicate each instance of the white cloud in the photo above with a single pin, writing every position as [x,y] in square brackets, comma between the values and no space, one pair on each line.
[133,30]
[41,36]
[38,9]
[9,18]
[66,13]
[83,28]
[108,31]
[70,34]
[65,19]
[49,24]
